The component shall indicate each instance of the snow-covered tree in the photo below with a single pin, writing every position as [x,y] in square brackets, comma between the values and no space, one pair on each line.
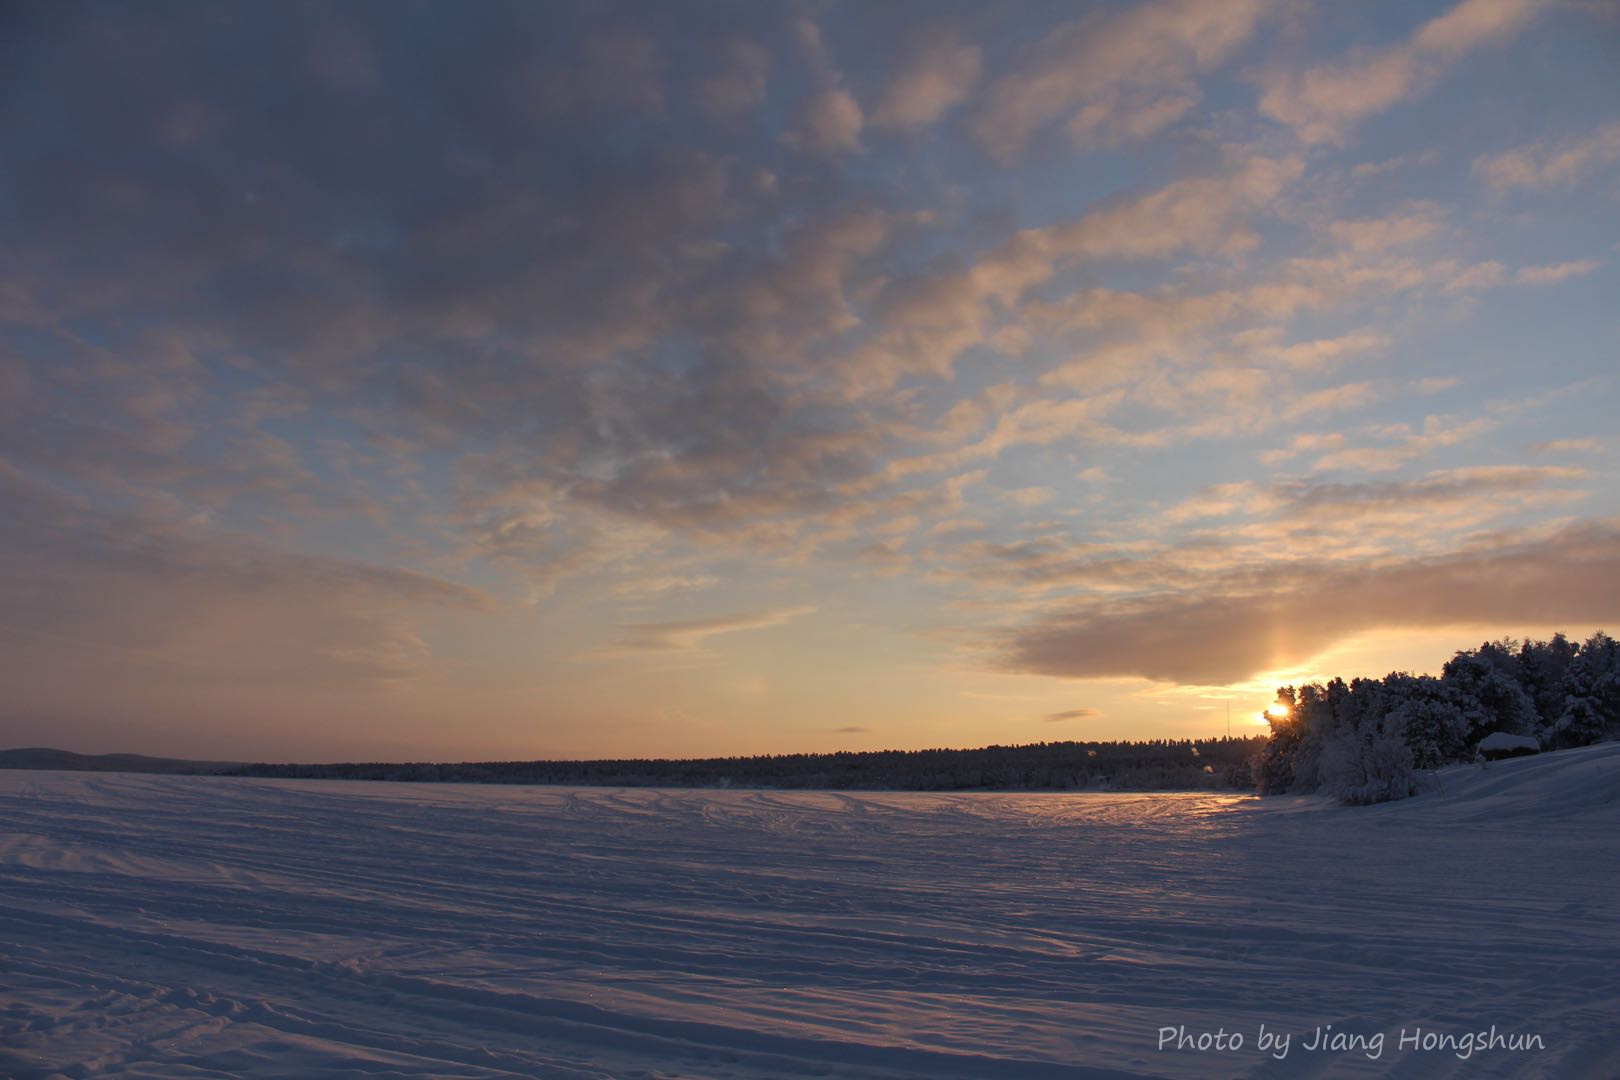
[1360,767]
[1542,667]
[1591,691]
[1427,716]
[1487,682]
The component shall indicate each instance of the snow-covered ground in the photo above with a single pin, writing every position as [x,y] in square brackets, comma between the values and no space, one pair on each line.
[183,926]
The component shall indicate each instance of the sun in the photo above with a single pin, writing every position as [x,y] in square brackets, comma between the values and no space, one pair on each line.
[1278,711]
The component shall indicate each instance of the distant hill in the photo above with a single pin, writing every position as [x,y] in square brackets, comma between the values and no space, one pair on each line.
[1155,765]
[39,757]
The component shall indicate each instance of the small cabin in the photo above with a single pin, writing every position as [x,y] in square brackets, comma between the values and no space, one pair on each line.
[1502,745]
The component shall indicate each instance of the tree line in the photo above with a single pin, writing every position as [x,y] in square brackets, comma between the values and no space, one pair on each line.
[1370,739]
[1157,765]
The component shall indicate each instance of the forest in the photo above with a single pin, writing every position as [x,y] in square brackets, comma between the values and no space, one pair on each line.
[1371,740]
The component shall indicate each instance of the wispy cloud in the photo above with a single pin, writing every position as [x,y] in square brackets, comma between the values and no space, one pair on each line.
[1568,446]
[684,635]
[665,583]
[1555,273]
[1322,103]
[1125,76]
[1551,164]
[203,605]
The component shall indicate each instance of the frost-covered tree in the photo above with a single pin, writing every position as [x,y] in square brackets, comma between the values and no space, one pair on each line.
[1273,766]
[1361,741]
[1591,692]
[1487,682]
[1542,668]
[1360,767]
[1427,716]
[1318,713]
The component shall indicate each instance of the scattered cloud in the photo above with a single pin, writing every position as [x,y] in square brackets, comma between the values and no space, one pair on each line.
[1071,714]
[646,306]
[1322,103]
[1403,443]
[1547,165]
[1409,225]
[1119,77]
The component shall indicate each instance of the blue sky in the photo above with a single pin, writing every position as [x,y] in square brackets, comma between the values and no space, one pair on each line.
[449,380]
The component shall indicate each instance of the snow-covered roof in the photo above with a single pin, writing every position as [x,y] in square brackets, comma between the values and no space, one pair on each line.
[1501,740]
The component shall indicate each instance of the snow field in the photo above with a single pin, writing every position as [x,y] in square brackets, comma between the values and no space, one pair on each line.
[184,926]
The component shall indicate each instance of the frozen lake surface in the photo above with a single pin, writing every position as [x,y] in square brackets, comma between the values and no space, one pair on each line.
[180,927]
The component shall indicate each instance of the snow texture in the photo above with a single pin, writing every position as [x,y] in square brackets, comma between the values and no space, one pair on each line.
[190,926]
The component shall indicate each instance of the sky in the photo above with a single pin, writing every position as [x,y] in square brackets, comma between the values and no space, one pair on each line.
[439,380]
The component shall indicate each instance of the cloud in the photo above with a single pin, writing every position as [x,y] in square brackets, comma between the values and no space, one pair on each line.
[1546,165]
[853,729]
[1319,353]
[1279,615]
[1322,103]
[1343,398]
[1566,446]
[1306,443]
[829,123]
[1404,517]
[665,583]
[1552,275]
[1263,528]
[1485,275]
[1117,77]
[1388,165]
[542,368]
[1029,497]
[738,81]
[937,73]
[1071,714]
[179,601]
[618,68]
[928,321]
[686,635]
[830,119]
[1405,444]
[588,316]
[1381,234]
[1218,500]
